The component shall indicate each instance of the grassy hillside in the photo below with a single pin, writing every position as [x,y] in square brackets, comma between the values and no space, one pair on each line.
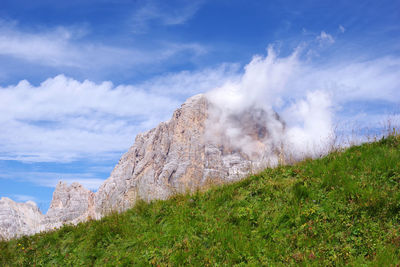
[341,209]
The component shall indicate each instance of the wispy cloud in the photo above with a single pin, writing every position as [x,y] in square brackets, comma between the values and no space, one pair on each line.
[65,47]
[82,178]
[50,48]
[325,39]
[163,13]
[50,179]
[187,83]
[23,198]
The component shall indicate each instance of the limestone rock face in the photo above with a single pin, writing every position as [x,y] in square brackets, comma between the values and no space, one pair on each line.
[188,152]
[17,219]
[199,146]
[165,159]
[70,204]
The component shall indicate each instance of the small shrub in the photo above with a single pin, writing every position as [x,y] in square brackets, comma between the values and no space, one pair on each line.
[300,191]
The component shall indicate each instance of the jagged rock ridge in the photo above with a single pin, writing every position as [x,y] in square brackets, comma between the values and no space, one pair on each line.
[188,152]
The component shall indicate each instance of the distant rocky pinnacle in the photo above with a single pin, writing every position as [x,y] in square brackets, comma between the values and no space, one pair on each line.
[17,219]
[191,151]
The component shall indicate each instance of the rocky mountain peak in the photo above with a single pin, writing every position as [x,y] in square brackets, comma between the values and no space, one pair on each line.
[70,203]
[200,145]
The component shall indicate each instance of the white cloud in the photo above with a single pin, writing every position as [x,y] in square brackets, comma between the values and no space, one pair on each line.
[164,14]
[307,95]
[310,131]
[188,83]
[63,47]
[63,119]
[50,48]
[325,38]
[342,29]
[354,79]
[89,183]
[50,179]
[23,198]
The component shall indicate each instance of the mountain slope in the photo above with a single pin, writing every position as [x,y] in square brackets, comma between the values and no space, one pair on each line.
[341,209]
[200,145]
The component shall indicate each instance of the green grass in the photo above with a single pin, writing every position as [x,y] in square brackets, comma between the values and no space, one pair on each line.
[343,209]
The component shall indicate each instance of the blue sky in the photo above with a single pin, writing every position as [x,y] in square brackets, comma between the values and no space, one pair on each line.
[79,79]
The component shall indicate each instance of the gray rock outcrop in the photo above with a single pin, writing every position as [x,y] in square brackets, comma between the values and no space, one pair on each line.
[199,146]
[17,219]
[70,204]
